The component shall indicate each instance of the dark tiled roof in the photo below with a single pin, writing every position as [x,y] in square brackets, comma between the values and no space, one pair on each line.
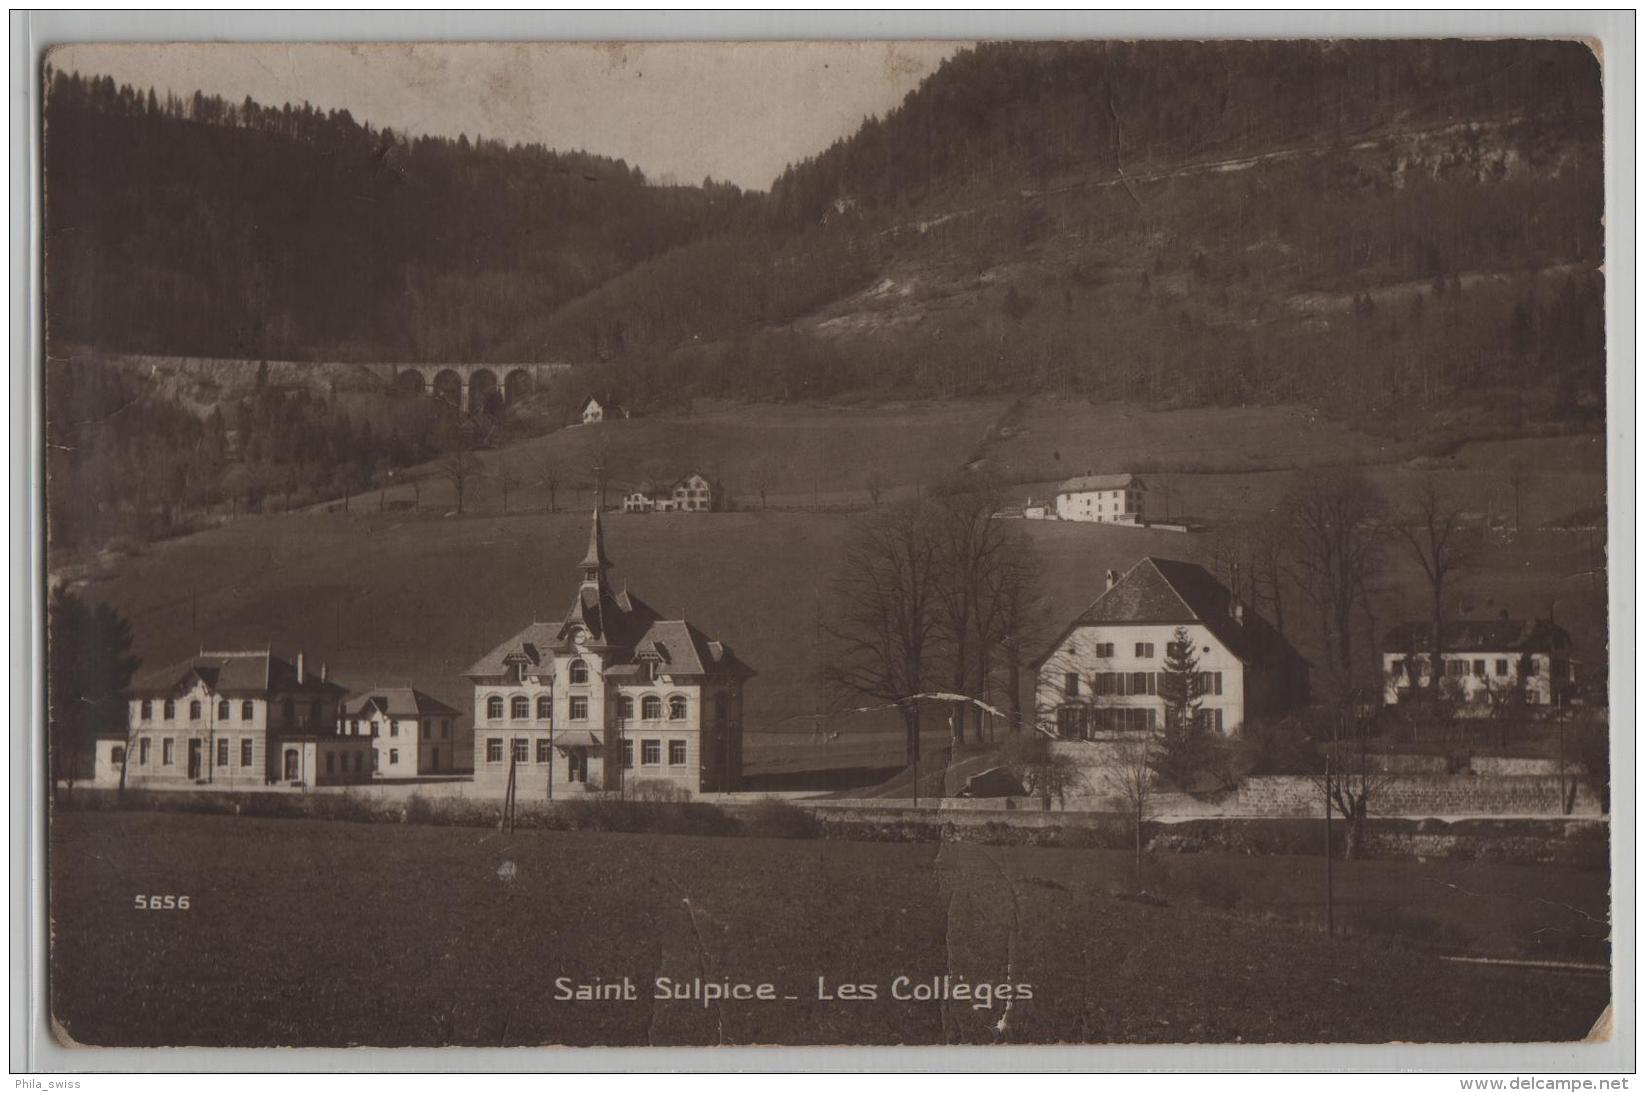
[234,673]
[1098,482]
[395,702]
[1166,591]
[682,649]
[1480,636]
[533,643]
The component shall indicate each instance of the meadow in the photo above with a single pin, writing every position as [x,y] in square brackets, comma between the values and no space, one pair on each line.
[395,595]
[312,933]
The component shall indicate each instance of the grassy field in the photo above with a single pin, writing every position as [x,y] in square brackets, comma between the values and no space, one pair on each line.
[401,595]
[306,933]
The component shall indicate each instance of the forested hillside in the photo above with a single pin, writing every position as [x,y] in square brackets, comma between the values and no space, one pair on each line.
[213,228]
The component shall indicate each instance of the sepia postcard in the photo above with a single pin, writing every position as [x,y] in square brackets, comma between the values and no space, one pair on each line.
[829,543]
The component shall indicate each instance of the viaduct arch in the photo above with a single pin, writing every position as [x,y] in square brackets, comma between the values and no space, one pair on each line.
[469,386]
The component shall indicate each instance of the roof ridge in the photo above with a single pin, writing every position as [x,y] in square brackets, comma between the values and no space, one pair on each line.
[1172,585]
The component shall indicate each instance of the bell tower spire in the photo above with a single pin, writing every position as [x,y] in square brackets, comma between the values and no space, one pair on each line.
[595,562]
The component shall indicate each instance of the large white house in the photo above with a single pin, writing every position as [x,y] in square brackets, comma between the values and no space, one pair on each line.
[411,733]
[1101,676]
[609,698]
[233,720]
[1102,499]
[1486,663]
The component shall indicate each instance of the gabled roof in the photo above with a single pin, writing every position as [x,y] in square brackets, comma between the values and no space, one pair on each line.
[682,649]
[395,702]
[257,672]
[1164,591]
[1480,636]
[1099,482]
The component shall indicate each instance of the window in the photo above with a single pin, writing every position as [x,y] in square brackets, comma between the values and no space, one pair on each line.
[651,708]
[676,753]
[494,749]
[1073,721]
[1071,684]
[579,671]
[376,726]
[376,760]
[651,752]
[170,709]
[545,751]
[519,708]
[628,755]
[1105,648]
[222,753]
[494,707]
[545,708]
[1145,649]
[1501,666]
[522,750]
[1140,682]
[579,708]
[143,752]
[393,727]
[1479,668]
[625,708]
[1456,668]
[245,753]
[246,710]
[393,757]
[147,708]
[194,711]
[676,708]
[165,753]
[117,756]
[222,710]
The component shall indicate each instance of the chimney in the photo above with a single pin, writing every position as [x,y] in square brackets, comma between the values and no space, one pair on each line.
[299,667]
[1113,578]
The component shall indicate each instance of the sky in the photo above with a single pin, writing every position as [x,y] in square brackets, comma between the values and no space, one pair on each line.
[738,111]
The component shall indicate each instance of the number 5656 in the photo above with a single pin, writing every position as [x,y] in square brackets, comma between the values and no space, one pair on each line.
[161,903]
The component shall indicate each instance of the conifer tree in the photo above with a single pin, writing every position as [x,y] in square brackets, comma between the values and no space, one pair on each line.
[1182,744]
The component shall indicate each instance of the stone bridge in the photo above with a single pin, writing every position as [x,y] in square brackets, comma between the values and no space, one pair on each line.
[468,386]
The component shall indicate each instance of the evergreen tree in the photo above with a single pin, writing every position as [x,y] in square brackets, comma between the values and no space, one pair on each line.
[1182,744]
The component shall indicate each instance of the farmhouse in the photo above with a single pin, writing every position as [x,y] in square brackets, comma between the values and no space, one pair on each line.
[234,720]
[1102,499]
[1487,662]
[1102,674]
[611,697]
[411,733]
[693,493]
[596,409]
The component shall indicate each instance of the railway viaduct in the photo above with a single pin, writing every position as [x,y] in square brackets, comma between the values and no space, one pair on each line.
[467,386]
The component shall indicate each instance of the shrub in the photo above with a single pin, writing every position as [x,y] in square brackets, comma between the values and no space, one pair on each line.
[776,819]
[657,789]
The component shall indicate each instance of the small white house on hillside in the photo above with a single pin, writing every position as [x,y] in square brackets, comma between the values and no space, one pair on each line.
[1102,499]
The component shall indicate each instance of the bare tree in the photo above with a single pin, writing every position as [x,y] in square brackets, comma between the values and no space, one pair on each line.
[1350,782]
[1434,536]
[505,479]
[1127,772]
[763,478]
[1015,616]
[550,468]
[458,468]
[875,484]
[1517,476]
[972,544]
[1333,516]
[883,627]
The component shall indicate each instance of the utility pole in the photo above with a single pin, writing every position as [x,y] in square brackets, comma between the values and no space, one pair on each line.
[1330,908]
